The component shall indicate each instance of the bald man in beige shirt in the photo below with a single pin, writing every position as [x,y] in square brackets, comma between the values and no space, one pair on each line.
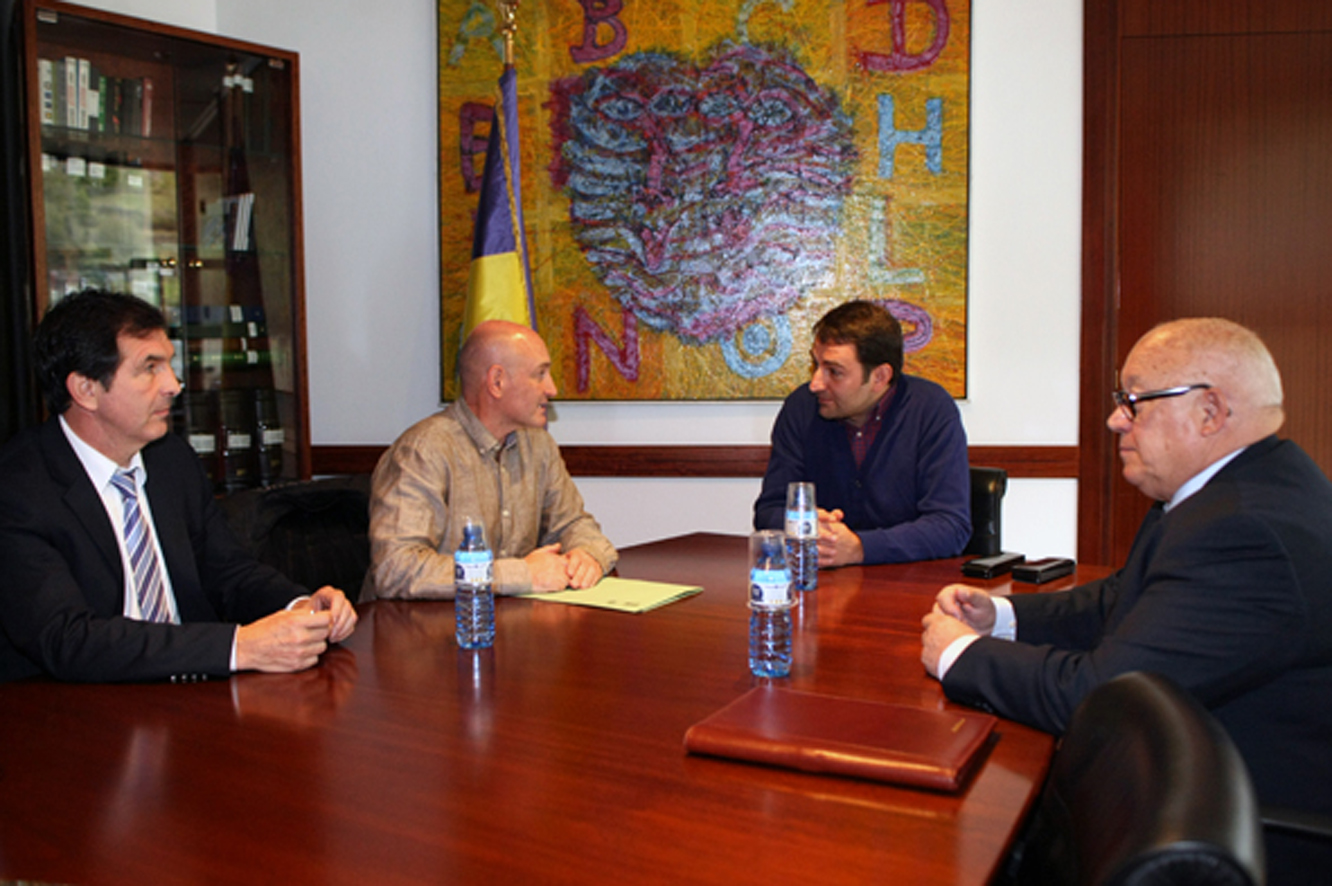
[486,456]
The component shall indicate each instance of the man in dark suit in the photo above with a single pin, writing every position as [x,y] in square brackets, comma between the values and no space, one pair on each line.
[1227,589]
[115,561]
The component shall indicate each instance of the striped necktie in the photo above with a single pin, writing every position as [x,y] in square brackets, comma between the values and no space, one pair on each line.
[148,584]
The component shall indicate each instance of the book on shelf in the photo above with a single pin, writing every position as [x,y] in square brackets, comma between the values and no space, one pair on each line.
[145,128]
[115,105]
[102,103]
[57,91]
[76,94]
[85,100]
[71,92]
[46,88]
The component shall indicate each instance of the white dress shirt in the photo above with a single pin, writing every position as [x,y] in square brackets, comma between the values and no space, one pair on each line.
[100,470]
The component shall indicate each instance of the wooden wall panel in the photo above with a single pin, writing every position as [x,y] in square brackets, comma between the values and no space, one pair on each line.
[711,461]
[1208,184]
[1097,466]
[1226,180]
[1226,168]
[1141,18]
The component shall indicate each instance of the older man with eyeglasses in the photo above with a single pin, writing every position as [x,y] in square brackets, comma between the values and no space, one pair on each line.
[1227,589]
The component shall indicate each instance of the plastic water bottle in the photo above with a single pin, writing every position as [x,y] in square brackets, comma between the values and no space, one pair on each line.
[770,642]
[474,597]
[770,599]
[802,535]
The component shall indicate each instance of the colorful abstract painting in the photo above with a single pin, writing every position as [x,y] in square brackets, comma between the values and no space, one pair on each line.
[702,180]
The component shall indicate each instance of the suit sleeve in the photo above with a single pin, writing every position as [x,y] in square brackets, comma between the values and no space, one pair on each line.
[1217,613]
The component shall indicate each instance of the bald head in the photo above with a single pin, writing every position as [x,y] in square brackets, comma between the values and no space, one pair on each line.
[1207,387]
[491,343]
[1228,356]
[504,374]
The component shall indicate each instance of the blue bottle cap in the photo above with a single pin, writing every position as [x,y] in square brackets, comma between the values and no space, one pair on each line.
[474,535]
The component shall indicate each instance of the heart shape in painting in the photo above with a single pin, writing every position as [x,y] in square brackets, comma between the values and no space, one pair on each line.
[706,198]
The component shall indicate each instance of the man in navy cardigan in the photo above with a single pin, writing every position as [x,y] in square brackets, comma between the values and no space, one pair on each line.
[886,451]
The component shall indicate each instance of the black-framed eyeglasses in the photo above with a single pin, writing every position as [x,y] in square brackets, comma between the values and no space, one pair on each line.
[1129,402]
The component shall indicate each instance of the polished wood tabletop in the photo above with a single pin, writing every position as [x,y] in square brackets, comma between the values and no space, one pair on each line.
[555,757]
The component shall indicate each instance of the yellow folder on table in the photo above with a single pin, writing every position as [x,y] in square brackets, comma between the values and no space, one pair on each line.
[622,594]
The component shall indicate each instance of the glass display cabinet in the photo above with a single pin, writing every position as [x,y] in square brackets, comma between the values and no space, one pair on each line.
[165,163]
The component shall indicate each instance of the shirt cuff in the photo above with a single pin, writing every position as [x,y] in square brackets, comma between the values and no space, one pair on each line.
[1005,628]
[952,651]
[510,575]
[1005,620]
[234,635]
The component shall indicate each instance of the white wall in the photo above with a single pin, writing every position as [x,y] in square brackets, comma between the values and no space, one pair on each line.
[199,15]
[370,158]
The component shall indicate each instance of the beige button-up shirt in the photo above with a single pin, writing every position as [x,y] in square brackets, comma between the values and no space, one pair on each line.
[447,468]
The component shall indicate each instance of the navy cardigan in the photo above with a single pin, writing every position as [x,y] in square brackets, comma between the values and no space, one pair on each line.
[909,500]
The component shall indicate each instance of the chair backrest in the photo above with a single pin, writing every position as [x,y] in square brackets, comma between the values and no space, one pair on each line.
[316,532]
[988,486]
[1146,789]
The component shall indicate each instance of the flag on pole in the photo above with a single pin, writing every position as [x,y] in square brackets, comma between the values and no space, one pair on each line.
[499,285]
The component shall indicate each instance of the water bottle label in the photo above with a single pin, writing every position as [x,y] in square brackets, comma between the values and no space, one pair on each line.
[769,587]
[802,524]
[473,567]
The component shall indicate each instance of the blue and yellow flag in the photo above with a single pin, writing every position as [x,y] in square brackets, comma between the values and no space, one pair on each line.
[499,286]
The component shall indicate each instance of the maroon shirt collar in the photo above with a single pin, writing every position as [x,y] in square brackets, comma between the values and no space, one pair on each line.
[862,438]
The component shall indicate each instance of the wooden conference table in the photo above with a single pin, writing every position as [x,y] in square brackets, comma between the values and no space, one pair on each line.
[555,757]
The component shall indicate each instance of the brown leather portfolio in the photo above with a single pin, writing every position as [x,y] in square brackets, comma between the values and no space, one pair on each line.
[845,736]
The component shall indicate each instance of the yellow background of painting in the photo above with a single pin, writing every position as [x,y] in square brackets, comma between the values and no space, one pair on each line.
[926,214]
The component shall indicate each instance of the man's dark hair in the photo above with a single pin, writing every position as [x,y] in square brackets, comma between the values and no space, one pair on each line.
[875,333]
[79,334]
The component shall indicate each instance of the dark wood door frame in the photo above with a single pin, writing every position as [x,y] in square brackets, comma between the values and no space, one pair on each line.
[1097,464]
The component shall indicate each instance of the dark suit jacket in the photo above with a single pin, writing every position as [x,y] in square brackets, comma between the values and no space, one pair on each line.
[62,582]
[1229,595]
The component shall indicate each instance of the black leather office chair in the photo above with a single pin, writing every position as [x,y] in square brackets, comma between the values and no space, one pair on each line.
[1146,789]
[988,486]
[316,532]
